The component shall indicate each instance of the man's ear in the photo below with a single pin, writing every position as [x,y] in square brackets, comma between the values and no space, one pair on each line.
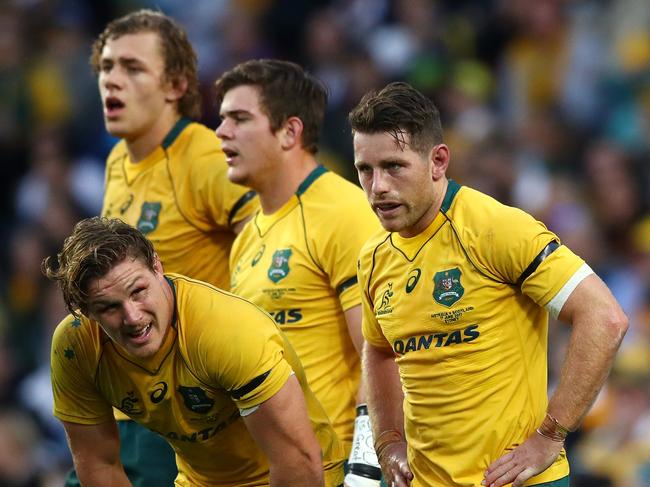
[439,158]
[291,133]
[157,264]
[176,88]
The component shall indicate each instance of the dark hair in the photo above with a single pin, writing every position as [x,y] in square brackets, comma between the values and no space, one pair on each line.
[178,53]
[95,246]
[399,109]
[286,90]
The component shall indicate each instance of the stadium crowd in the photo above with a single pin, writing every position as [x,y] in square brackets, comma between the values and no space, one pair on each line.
[546,104]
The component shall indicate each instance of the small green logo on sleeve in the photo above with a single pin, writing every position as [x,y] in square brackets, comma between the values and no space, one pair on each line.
[447,287]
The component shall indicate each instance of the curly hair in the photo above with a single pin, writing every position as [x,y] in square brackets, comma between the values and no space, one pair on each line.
[95,246]
[178,53]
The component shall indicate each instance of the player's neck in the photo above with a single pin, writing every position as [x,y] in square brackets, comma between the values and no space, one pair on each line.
[430,214]
[279,187]
[141,146]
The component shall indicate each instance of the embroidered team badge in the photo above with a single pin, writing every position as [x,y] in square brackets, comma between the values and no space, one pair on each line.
[149,214]
[279,268]
[195,399]
[447,288]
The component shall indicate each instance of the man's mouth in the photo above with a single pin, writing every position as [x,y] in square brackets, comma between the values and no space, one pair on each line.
[230,154]
[386,209]
[112,105]
[139,335]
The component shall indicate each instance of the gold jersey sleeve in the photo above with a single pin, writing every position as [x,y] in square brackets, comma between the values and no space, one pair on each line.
[299,265]
[222,354]
[460,305]
[246,358]
[180,197]
[74,355]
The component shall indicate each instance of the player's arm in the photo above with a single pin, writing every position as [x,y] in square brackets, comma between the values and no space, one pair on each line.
[598,326]
[353,320]
[238,226]
[96,453]
[385,399]
[362,461]
[281,428]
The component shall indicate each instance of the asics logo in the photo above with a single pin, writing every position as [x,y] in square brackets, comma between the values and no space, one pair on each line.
[414,277]
[158,393]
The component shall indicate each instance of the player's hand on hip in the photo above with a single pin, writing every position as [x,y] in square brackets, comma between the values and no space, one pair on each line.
[394,465]
[533,456]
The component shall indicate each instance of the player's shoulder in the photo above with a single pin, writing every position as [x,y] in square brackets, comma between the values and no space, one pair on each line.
[331,183]
[206,314]
[193,142]
[117,154]
[332,195]
[477,213]
[194,298]
[377,240]
[77,336]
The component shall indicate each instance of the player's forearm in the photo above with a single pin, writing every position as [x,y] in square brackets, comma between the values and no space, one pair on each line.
[102,476]
[297,470]
[595,338]
[383,390]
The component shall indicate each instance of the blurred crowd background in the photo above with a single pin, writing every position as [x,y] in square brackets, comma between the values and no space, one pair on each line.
[545,105]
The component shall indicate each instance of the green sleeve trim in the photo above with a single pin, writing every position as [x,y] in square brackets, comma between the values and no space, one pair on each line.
[546,251]
[251,386]
[346,284]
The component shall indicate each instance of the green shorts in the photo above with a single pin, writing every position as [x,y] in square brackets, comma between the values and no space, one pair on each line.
[147,458]
[563,482]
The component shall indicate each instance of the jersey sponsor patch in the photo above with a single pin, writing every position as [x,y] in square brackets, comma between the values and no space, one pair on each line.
[436,340]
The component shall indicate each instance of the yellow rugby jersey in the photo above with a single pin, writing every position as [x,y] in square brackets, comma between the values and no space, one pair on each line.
[462,307]
[222,354]
[299,264]
[180,197]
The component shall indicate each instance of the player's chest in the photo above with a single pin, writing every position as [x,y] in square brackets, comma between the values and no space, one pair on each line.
[148,203]
[170,396]
[439,300]
[276,269]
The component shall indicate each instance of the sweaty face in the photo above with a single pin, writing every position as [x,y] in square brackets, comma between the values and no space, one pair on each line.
[134,95]
[251,148]
[398,182]
[133,305]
